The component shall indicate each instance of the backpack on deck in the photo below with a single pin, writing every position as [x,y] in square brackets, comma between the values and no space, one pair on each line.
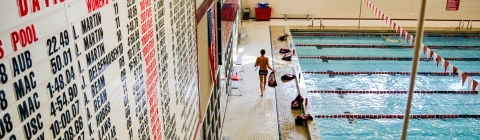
[284,50]
[287,57]
[299,120]
[297,103]
[288,77]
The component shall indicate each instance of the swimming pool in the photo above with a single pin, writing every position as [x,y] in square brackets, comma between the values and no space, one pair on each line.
[385,104]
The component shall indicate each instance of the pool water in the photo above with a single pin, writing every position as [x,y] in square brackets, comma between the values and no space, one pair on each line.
[328,103]
[370,40]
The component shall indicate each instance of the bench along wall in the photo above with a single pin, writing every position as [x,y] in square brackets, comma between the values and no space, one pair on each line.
[396,9]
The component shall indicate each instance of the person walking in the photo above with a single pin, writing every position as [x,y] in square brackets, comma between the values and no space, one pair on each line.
[263,63]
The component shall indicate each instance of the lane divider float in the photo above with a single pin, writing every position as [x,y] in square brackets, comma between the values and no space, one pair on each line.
[382,58]
[375,35]
[390,73]
[397,116]
[392,91]
[319,46]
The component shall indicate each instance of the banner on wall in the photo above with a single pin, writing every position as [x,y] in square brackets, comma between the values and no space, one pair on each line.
[211,45]
[452,5]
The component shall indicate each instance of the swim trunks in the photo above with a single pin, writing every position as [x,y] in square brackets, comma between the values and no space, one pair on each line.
[262,72]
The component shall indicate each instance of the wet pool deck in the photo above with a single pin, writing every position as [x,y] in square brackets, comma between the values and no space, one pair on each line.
[251,117]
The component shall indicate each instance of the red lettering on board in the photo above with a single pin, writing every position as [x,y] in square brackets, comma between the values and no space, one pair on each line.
[22,7]
[147,14]
[149,52]
[146,37]
[2,53]
[47,3]
[147,59]
[25,37]
[147,25]
[55,1]
[35,6]
[144,4]
[149,79]
[93,5]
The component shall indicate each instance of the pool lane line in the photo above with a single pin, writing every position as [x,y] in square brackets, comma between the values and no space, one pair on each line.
[393,91]
[276,97]
[319,46]
[375,35]
[391,73]
[383,58]
[397,116]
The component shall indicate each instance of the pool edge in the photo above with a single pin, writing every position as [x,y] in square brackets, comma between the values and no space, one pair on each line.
[312,127]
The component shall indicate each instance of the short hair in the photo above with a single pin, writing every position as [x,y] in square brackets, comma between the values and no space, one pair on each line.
[262,51]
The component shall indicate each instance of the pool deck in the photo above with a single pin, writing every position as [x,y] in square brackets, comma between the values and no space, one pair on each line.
[251,117]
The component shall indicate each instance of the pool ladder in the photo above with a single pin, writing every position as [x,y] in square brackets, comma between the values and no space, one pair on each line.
[461,24]
[321,25]
[469,23]
[310,26]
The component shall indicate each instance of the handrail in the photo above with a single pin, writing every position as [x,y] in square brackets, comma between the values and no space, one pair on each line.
[471,25]
[468,23]
[463,23]
[321,25]
[311,26]
[460,23]
[285,15]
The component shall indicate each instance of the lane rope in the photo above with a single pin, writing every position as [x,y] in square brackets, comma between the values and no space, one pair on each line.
[398,116]
[383,58]
[393,91]
[373,35]
[390,73]
[379,46]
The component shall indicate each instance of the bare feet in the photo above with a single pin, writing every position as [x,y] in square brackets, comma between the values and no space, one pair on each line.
[261,91]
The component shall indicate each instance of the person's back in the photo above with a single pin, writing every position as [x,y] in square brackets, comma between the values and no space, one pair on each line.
[262,62]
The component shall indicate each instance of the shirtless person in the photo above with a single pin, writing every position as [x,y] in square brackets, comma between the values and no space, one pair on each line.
[262,61]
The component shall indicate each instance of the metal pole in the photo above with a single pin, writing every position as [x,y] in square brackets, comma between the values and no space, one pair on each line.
[459,24]
[470,23]
[360,14]
[321,19]
[416,53]
[312,23]
[463,23]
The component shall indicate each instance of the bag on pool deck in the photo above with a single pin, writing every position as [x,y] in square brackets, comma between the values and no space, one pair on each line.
[287,57]
[271,80]
[288,77]
[300,120]
[284,50]
[297,103]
